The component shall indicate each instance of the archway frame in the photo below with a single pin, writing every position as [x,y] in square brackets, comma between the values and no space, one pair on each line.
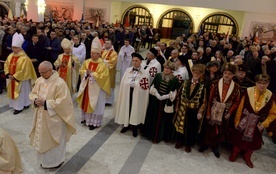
[5,6]
[171,10]
[136,6]
[220,13]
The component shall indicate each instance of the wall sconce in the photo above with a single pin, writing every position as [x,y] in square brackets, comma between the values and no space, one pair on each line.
[41,6]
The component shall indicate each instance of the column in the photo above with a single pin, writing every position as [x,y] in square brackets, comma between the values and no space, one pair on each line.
[32,10]
[17,9]
[36,9]
[78,9]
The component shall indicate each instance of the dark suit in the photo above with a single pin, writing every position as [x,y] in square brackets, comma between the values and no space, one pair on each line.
[35,51]
[52,55]
[87,42]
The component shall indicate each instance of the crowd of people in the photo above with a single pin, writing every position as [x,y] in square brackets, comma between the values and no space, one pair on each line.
[199,89]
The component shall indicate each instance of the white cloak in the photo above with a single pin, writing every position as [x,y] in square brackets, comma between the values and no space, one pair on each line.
[139,99]
[153,68]
[181,73]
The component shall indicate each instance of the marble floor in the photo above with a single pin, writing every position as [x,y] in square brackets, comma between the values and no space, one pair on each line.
[106,151]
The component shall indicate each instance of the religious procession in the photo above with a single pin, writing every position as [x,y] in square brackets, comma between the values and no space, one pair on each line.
[197,92]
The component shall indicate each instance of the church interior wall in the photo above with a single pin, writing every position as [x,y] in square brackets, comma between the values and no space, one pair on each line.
[261,19]
[244,12]
[197,14]
[263,6]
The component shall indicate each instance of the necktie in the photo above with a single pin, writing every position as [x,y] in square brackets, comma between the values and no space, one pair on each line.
[148,61]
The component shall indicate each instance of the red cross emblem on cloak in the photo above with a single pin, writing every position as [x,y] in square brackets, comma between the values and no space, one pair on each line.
[180,79]
[144,83]
[152,71]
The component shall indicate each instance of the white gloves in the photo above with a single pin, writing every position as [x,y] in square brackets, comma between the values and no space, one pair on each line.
[152,90]
[227,116]
[164,97]
[199,116]
[158,96]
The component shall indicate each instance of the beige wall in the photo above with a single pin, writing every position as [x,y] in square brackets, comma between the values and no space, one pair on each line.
[103,4]
[196,14]
[251,17]
[259,6]
[244,12]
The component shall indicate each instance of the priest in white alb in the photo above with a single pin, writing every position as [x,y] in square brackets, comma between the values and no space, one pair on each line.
[54,119]
[124,58]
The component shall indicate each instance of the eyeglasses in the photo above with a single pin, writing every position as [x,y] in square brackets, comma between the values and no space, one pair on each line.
[44,72]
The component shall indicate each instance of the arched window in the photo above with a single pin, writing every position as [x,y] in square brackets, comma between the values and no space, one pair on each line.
[3,9]
[174,23]
[220,23]
[137,15]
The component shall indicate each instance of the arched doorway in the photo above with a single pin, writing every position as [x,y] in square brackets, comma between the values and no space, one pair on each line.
[137,16]
[174,23]
[220,23]
[3,9]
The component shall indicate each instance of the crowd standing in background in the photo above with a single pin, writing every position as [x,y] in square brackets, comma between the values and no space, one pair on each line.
[185,91]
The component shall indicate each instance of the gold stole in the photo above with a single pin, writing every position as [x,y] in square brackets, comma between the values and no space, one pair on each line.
[12,69]
[107,55]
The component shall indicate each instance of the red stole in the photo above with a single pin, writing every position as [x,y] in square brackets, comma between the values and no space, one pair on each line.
[63,67]
[12,70]
[225,88]
[85,102]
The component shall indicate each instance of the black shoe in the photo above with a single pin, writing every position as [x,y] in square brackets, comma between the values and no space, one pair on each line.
[178,145]
[17,112]
[216,152]
[91,127]
[124,129]
[26,107]
[203,148]
[83,122]
[134,132]
[51,167]
[108,104]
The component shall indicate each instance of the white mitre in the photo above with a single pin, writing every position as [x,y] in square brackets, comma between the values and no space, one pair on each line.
[96,45]
[65,43]
[17,40]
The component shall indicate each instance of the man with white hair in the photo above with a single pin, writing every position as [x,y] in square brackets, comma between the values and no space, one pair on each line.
[20,75]
[174,55]
[237,60]
[68,65]
[54,119]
